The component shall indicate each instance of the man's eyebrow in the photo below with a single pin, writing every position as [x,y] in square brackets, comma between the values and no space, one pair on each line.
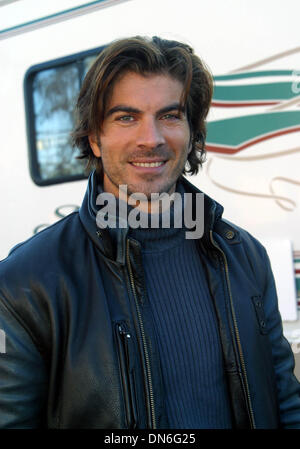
[130,109]
[171,107]
[122,108]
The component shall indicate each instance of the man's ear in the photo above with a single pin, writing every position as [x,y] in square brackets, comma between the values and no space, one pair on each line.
[94,144]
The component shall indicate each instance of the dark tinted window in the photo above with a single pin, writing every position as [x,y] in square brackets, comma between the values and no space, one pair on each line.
[51,91]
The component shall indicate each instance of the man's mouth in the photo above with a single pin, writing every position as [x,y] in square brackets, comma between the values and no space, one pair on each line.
[148,164]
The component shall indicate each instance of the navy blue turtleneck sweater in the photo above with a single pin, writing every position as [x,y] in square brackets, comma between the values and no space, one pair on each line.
[186,327]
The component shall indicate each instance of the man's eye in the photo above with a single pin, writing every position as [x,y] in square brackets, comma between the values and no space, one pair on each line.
[125,118]
[173,116]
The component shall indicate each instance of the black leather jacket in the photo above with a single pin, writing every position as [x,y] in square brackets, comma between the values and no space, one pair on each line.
[81,350]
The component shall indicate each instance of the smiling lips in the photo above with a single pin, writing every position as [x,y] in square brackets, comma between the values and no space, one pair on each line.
[148,164]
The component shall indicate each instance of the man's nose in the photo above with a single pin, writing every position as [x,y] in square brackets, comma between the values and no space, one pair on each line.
[150,133]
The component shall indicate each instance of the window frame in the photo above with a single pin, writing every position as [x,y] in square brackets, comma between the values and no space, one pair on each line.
[77,58]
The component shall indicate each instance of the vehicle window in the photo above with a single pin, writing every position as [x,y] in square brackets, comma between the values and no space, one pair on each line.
[51,91]
[54,97]
[88,62]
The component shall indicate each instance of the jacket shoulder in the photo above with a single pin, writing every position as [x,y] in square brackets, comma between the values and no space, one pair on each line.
[34,274]
[243,236]
[243,249]
[37,253]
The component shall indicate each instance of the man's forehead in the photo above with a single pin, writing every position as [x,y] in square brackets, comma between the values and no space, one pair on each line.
[134,89]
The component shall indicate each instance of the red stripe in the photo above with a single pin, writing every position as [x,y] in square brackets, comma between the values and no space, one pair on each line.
[218,104]
[297,271]
[232,150]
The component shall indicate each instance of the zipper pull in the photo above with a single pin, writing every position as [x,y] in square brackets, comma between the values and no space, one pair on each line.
[123,332]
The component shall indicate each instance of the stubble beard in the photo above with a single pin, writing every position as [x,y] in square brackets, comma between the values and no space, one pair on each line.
[149,185]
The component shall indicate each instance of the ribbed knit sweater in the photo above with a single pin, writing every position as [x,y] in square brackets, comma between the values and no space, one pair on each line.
[186,327]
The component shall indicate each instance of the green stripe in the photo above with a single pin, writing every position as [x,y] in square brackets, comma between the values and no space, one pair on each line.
[298,286]
[237,76]
[252,92]
[237,130]
[42,19]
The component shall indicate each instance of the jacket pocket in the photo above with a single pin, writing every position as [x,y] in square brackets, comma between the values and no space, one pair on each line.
[260,313]
[126,359]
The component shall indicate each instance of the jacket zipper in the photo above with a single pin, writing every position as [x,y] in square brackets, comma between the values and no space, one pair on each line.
[252,421]
[148,369]
[125,359]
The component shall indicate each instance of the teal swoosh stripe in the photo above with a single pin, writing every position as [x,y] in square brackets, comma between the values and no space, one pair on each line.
[57,17]
[235,131]
[237,76]
[66,11]
[268,91]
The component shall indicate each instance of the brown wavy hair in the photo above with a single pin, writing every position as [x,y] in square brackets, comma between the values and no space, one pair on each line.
[144,56]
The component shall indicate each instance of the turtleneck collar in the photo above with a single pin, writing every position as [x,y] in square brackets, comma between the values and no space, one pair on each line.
[166,233]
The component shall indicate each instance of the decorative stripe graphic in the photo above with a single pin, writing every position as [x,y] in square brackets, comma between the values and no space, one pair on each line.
[253,95]
[238,104]
[258,74]
[296,255]
[284,202]
[229,136]
[266,88]
[279,89]
[57,17]
[272,58]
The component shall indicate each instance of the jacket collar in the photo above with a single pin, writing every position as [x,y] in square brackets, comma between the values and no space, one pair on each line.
[213,220]
[102,239]
[88,213]
[212,209]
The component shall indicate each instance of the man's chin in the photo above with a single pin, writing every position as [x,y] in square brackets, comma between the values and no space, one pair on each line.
[146,192]
[150,187]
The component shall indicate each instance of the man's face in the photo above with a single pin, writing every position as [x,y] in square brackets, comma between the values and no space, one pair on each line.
[145,138]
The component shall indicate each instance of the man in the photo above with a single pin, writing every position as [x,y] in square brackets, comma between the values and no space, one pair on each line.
[123,326]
